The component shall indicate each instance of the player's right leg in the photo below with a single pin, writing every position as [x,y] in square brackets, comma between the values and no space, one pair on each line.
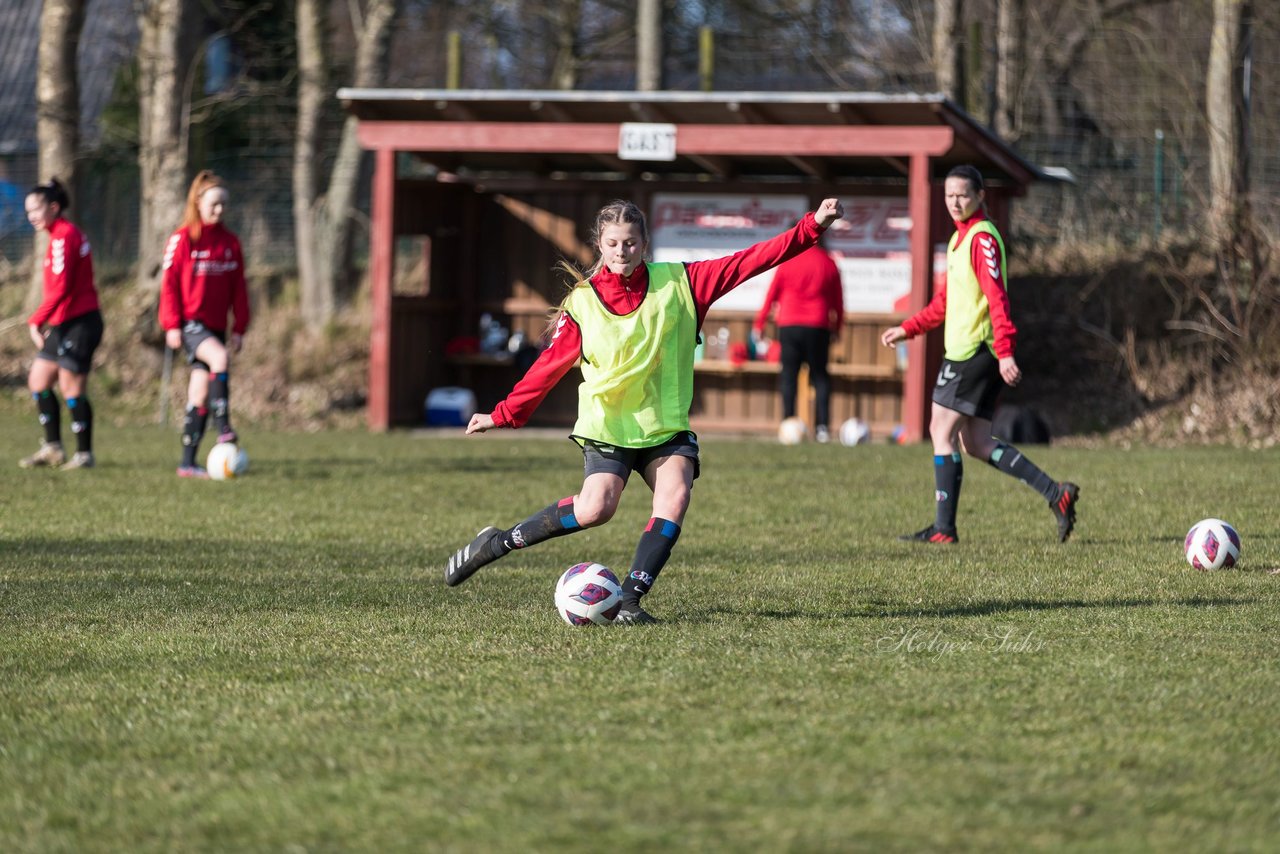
[40,380]
[594,504]
[194,423]
[948,475]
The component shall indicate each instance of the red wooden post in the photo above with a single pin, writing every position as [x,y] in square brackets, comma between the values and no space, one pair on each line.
[381,262]
[915,417]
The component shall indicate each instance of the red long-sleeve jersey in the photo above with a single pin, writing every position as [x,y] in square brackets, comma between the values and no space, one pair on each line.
[709,280]
[807,291]
[990,277]
[68,277]
[203,280]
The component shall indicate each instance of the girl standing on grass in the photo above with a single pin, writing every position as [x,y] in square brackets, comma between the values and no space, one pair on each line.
[203,280]
[634,325]
[66,329]
[978,355]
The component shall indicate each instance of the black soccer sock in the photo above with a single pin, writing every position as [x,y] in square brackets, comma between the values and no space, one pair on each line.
[220,401]
[1011,461]
[50,415]
[81,422]
[948,475]
[555,520]
[652,553]
[192,432]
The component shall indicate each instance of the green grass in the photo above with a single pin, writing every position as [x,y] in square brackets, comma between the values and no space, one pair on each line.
[274,663]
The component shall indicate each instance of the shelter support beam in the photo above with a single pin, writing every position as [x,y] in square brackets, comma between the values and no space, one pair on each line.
[381,264]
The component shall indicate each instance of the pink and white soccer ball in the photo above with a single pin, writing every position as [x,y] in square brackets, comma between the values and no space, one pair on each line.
[587,594]
[1212,544]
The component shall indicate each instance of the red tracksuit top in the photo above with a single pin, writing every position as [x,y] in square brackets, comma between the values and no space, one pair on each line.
[808,292]
[203,280]
[990,278]
[68,277]
[709,280]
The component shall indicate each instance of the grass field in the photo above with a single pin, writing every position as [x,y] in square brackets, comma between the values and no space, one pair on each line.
[275,664]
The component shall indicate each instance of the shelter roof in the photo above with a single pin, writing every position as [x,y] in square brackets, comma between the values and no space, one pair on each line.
[879,115]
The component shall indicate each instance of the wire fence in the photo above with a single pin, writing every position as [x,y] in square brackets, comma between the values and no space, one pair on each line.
[1128,123]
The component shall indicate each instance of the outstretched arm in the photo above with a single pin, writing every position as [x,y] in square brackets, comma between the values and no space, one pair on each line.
[713,279]
[552,364]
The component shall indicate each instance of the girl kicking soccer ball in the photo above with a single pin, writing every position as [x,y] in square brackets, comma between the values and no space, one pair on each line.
[634,324]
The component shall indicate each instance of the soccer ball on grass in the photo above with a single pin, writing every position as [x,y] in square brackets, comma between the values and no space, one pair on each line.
[854,432]
[1212,544]
[588,593]
[226,460]
[792,431]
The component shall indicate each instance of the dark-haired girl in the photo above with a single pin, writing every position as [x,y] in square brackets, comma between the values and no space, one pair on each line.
[978,358]
[66,329]
[203,281]
[634,325]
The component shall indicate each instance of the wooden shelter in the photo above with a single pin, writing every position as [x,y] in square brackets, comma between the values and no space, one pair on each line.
[477,195]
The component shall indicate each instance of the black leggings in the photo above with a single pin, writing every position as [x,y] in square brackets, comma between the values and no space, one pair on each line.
[805,345]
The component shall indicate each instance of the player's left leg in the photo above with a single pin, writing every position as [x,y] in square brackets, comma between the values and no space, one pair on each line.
[213,353]
[1062,497]
[789,339]
[73,386]
[80,339]
[671,479]
[820,378]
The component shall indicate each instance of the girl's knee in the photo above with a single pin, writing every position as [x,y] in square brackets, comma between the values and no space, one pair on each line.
[591,511]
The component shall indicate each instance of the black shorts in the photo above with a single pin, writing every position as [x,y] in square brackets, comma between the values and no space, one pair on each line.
[71,344]
[195,333]
[599,457]
[970,387]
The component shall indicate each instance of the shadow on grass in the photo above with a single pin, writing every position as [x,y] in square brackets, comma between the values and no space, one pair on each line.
[211,574]
[878,611]
[322,469]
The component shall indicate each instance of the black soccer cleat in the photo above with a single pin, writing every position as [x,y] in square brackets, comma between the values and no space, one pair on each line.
[932,534]
[466,560]
[634,616]
[1065,509]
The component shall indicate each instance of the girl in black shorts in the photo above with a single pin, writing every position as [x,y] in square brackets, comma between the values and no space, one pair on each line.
[979,343]
[66,329]
[634,326]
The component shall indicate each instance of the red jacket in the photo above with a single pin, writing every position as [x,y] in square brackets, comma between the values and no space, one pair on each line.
[68,277]
[709,280]
[203,280]
[808,292]
[991,278]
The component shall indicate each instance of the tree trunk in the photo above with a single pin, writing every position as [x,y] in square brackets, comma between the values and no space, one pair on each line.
[649,45]
[564,73]
[322,224]
[162,155]
[1224,99]
[317,299]
[1009,68]
[57,110]
[947,55]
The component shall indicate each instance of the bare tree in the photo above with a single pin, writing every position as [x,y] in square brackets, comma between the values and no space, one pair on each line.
[649,45]
[1224,100]
[322,228]
[563,18]
[1010,31]
[162,157]
[57,108]
[947,56]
